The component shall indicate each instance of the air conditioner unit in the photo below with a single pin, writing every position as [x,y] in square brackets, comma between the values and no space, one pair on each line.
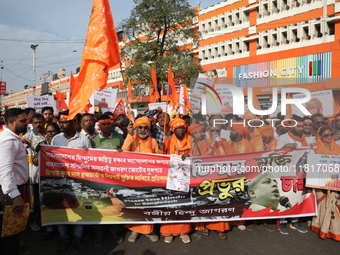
[275,10]
[314,35]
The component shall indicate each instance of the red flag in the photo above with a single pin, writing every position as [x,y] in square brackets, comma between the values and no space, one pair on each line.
[120,109]
[172,93]
[130,95]
[101,52]
[155,96]
[60,101]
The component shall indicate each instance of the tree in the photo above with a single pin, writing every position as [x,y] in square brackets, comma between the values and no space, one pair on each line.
[159,32]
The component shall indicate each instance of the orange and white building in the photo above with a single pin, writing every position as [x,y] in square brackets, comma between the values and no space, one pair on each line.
[259,44]
[273,43]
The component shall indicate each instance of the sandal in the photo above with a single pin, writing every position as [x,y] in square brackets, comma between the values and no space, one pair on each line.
[251,227]
[267,227]
[205,232]
[117,238]
[98,242]
[185,238]
[168,239]
[222,235]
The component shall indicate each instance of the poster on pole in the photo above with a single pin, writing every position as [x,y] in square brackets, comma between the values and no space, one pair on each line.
[104,99]
[39,102]
[153,106]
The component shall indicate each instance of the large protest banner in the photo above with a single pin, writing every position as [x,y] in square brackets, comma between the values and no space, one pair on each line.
[74,183]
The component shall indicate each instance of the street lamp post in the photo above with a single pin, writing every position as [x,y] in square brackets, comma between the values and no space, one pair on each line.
[33,47]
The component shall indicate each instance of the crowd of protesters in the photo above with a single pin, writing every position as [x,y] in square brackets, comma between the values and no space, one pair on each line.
[155,131]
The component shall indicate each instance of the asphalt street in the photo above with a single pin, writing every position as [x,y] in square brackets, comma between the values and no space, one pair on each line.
[259,241]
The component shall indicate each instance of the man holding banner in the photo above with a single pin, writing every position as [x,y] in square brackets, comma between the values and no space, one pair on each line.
[70,138]
[141,142]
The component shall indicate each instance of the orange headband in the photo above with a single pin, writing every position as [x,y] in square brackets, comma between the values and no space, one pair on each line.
[64,117]
[299,123]
[104,121]
[307,121]
[337,118]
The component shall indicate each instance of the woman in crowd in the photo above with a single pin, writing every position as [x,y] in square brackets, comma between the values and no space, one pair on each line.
[327,223]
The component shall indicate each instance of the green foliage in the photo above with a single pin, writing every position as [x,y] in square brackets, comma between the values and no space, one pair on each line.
[155,32]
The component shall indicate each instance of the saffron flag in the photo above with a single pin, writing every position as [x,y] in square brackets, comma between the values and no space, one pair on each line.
[172,93]
[130,95]
[186,102]
[101,52]
[155,96]
[121,84]
[60,101]
[120,109]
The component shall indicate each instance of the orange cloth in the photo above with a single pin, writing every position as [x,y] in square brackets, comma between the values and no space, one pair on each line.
[142,120]
[220,148]
[195,128]
[177,147]
[242,130]
[177,122]
[322,149]
[301,139]
[143,229]
[266,130]
[175,229]
[135,144]
[219,226]
[258,144]
[195,148]
[242,146]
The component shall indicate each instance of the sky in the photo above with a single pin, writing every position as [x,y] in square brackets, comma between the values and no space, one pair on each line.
[58,27]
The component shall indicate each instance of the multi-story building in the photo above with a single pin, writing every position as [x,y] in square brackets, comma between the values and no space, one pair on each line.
[260,44]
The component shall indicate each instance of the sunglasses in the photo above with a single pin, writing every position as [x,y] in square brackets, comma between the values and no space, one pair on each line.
[215,130]
[319,122]
[327,135]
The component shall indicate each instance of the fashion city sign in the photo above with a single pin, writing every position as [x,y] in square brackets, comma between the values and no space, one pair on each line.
[271,73]
[295,70]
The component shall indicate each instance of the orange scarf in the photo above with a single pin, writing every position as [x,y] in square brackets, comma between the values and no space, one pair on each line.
[322,149]
[147,143]
[301,139]
[258,144]
[177,147]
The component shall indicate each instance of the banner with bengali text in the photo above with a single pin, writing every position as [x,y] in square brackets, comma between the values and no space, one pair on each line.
[104,186]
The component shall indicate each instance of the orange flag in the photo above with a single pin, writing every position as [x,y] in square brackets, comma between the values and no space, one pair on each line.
[121,84]
[216,81]
[155,96]
[101,52]
[120,109]
[172,93]
[187,104]
[130,95]
[60,101]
